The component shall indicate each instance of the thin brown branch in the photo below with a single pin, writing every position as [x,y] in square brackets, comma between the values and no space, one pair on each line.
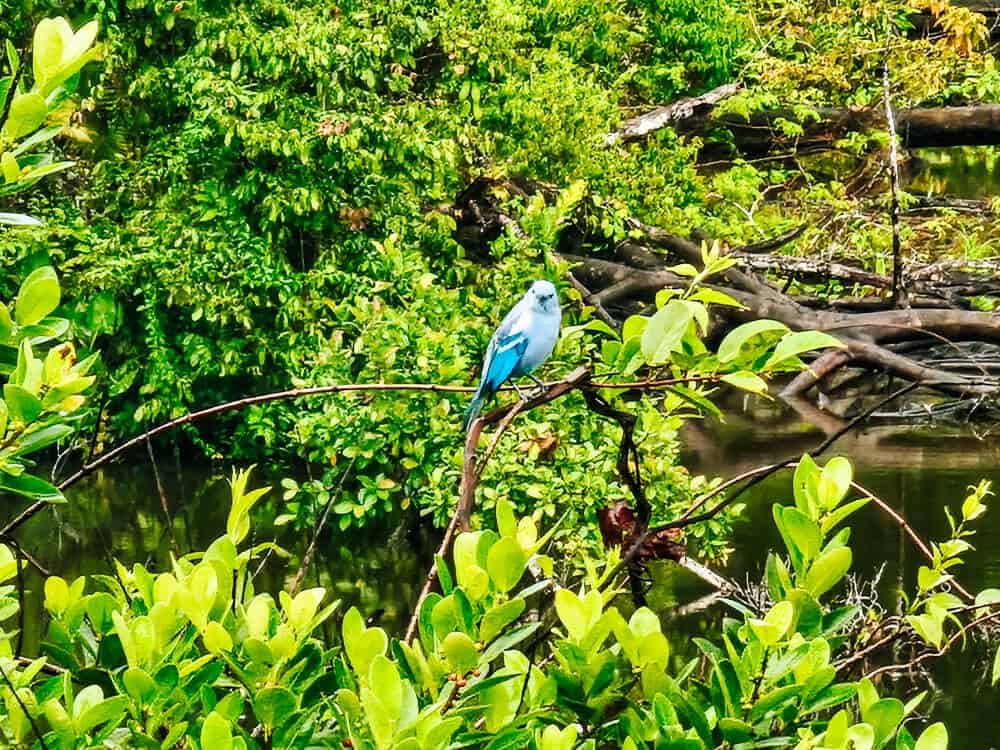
[960,634]
[898,290]
[472,471]
[14,83]
[311,549]
[749,478]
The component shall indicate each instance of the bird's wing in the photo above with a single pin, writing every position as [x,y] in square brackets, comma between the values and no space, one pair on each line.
[504,331]
[503,359]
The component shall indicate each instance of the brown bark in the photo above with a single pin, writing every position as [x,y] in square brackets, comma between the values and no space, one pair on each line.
[977,125]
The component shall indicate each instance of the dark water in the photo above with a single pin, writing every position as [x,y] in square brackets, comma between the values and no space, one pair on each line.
[970,172]
[119,513]
[917,471]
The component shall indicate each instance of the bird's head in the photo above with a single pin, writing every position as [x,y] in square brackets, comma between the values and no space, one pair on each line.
[543,296]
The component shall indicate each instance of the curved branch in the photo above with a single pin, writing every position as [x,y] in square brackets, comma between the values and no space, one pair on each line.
[264,398]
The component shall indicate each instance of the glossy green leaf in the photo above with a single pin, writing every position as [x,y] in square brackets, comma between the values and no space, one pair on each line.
[216,733]
[27,113]
[21,404]
[274,705]
[460,651]
[139,684]
[800,342]
[935,737]
[746,381]
[730,347]
[38,296]
[665,330]
[828,570]
[496,619]
[30,486]
[506,562]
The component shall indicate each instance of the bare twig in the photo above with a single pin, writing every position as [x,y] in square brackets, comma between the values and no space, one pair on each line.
[24,708]
[898,291]
[311,549]
[749,478]
[12,88]
[960,634]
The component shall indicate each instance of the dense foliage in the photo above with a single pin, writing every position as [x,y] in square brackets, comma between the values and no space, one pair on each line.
[255,201]
[255,205]
[194,657]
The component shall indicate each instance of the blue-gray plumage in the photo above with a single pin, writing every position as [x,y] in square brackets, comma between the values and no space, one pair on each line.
[522,342]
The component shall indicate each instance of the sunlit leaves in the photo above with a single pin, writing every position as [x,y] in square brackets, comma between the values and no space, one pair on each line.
[59,52]
[243,500]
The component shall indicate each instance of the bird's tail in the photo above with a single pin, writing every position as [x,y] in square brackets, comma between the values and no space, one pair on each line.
[475,406]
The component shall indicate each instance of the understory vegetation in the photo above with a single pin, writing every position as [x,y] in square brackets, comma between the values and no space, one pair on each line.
[206,202]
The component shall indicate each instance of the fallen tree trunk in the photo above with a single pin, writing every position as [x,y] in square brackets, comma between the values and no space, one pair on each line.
[762,132]
[917,128]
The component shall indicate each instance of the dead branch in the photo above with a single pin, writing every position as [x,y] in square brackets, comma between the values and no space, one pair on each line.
[685,113]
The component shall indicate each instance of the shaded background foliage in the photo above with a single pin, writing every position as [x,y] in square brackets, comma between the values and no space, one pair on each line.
[253,208]
[255,201]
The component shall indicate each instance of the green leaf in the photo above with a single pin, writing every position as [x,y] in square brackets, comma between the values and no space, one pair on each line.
[216,733]
[927,627]
[42,438]
[861,737]
[505,563]
[775,623]
[362,644]
[30,486]
[11,169]
[498,618]
[508,640]
[800,533]
[42,136]
[506,522]
[634,327]
[21,404]
[928,578]
[139,684]
[27,113]
[834,482]
[665,330]
[274,705]
[827,571]
[578,615]
[690,712]
[746,381]
[935,737]
[831,520]
[799,342]
[460,651]
[216,638]
[108,710]
[730,347]
[37,297]
[884,717]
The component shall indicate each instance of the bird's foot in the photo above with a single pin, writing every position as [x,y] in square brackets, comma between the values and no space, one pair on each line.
[539,386]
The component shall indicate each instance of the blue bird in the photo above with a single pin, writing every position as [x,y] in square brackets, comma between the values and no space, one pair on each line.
[522,342]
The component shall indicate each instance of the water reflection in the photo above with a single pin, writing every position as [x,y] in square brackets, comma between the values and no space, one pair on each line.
[917,471]
[118,513]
